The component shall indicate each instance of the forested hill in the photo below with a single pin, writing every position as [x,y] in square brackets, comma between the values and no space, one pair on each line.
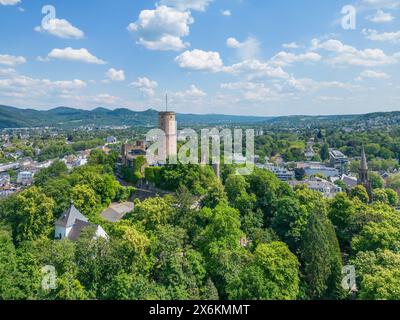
[11,117]
[377,118]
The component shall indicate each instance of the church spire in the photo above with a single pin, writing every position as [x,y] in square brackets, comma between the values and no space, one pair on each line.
[364,163]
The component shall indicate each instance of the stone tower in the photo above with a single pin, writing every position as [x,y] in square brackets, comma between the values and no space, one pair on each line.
[363,174]
[167,123]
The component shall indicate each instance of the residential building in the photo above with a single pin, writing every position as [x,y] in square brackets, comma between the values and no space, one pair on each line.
[309,152]
[71,224]
[25,178]
[80,162]
[312,170]
[328,189]
[130,152]
[111,140]
[8,192]
[4,180]
[338,160]
[281,173]
[349,181]
[9,166]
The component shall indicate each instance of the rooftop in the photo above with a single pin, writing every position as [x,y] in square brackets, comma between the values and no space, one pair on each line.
[70,216]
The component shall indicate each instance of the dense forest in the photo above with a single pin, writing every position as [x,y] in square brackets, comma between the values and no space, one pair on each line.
[245,237]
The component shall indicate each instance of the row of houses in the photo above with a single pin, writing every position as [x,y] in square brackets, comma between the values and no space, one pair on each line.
[320,177]
[27,168]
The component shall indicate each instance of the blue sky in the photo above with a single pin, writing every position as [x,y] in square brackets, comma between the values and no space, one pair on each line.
[275,57]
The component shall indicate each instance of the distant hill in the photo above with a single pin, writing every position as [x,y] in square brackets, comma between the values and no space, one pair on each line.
[11,117]
[377,118]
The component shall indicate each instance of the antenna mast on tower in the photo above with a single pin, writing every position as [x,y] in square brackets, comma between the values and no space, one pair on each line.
[166,101]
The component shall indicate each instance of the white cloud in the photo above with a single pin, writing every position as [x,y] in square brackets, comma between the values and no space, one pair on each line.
[115,75]
[183,5]
[80,55]
[15,85]
[374,35]
[192,93]
[291,45]
[331,45]
[328,99]
[249,49]
[61,28]
[251,91]
[381,17]
[9,2]
[284,58]
[146,86]
[74,84]
[7,72]
[106,99]
[9,60]
[90,101]
[370,74]
[226,13]
[162,28]
[256,69]
[307,86]
[233,43]
[200,60]
[291,87]
[389,4]
[348,55]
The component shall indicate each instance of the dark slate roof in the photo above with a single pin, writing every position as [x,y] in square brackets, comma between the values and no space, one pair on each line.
[77,229]
[349,181]
[69,217]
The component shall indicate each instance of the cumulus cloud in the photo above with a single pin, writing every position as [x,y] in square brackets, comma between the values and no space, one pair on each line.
[146,86]
[200,60]
[226,13]
[106,99]
[291,45]
[79,55]
[348,55]
[115,75]
[249,49]
[61,28]
[15,85]
[192,93]
[284,58]
[374,35]
[266,90]
[256,69]
[381,17]
[328,99]
[10,60]
[371,74]
[184,5]
[9,2]
[7,72]
[381,4]
[162,28]
[251,91]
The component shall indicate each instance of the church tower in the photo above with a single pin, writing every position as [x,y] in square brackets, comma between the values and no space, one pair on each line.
[363,174]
